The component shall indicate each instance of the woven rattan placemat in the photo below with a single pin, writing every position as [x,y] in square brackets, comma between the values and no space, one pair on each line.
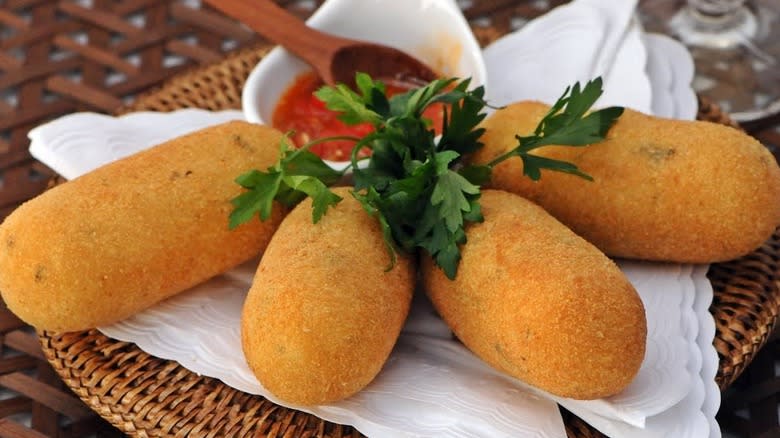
[142,394]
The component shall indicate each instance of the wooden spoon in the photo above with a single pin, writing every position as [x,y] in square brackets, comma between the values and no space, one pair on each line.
[334,58]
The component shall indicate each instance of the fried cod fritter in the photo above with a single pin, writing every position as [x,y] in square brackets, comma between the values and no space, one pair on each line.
[538,302]
[129,234]
[324,311]
[665,190]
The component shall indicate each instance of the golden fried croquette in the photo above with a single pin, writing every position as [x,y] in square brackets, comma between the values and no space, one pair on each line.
[112,242]
[669,190]
[323,312]
[538,302]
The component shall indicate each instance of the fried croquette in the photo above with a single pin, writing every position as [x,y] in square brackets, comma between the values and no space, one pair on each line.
[99,248]
[665,190]
[538,302]
[324,311]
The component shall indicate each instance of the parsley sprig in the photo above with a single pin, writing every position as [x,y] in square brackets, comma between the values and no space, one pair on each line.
[297,174]
[415,183]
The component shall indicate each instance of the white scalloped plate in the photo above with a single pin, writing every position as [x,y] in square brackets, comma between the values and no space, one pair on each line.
[710,359]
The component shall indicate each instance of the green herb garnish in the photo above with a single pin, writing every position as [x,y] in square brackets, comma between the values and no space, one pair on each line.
[297,174]
[416,185]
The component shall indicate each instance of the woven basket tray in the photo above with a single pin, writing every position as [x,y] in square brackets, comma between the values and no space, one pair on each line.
[146,396]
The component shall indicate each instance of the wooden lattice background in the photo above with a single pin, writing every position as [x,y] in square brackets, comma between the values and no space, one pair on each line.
[57,57]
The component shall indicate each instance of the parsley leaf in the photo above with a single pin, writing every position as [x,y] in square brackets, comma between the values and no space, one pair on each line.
[322,197]
[567,124]
[262,188]
[297,174]
[450,192]
[355,108]
[460,132]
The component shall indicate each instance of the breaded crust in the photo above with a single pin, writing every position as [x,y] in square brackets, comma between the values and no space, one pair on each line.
[536,301]
[112,242]
[323,312]
[669,190]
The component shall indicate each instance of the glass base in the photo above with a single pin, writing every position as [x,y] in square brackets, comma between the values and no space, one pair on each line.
[715,32]
[739,68]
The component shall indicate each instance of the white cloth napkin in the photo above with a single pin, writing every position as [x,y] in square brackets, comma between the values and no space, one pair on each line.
[572,43]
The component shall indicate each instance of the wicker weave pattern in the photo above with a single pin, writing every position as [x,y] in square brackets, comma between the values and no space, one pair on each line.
[58,57]
[745,307]
[33,389]
[145,396]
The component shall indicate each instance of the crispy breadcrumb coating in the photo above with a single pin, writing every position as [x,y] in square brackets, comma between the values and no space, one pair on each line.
[323,312]
[112,242]
[538,302]
[668,190]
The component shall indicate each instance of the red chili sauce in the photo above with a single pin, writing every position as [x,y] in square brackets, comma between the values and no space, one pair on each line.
[300,111]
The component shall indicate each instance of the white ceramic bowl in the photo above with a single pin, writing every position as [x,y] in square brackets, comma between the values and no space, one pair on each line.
[434,31]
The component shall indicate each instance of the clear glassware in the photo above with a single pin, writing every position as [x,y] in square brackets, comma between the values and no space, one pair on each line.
[735,45]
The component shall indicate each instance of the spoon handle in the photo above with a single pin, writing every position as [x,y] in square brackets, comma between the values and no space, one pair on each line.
[273,22]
